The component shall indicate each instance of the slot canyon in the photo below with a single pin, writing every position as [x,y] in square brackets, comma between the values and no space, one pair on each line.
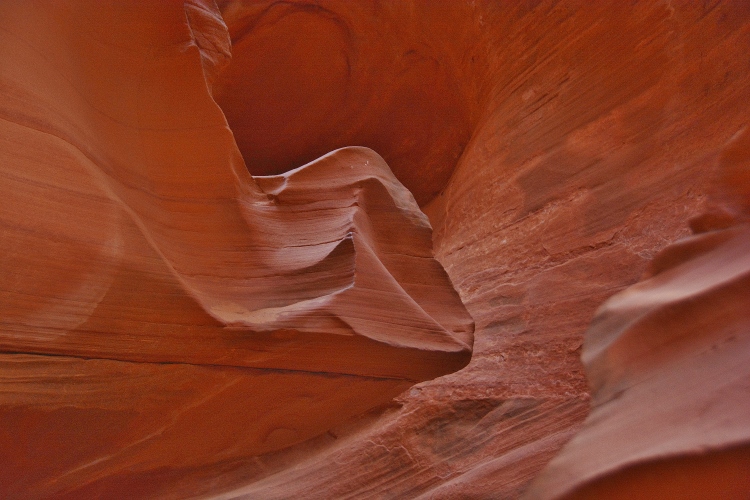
[375,249]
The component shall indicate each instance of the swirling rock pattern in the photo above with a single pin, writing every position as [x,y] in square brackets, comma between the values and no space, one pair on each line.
[557,147]
[163,311]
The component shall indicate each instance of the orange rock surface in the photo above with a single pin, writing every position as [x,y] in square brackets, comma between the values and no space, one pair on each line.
[163,311]
[667,364]
[173,327]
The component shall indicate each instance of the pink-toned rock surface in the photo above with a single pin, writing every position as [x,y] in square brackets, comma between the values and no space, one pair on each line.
[556,146]
[162,311]
[668,368]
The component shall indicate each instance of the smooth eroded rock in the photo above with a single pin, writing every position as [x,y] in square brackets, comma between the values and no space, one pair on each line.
[162,311]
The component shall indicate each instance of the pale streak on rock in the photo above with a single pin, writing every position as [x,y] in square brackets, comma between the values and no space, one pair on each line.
[161,309]
[556,146]
[667,360]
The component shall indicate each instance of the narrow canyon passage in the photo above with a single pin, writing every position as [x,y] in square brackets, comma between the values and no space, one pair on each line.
[514,224]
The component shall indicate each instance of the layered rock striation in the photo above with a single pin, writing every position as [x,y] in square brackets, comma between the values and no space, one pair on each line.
[162,311]
[173,327]
[667,364]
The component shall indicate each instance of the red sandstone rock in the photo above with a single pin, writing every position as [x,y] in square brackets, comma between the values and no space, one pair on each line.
[310,77]
[556,146]
[162,311]
[667,360]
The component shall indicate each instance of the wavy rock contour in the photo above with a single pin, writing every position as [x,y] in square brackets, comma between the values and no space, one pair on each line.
[557,146]
[162,311]
[667,360]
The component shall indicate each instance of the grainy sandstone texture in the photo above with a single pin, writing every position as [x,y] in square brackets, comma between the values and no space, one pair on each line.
[172,327]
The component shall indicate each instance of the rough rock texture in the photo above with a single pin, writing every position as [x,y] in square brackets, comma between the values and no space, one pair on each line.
[667,363]
[556,146]
[594,132]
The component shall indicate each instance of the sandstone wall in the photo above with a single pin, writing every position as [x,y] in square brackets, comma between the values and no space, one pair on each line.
[161,337]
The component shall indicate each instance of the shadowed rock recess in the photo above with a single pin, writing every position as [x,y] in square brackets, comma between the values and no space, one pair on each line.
[244,246]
